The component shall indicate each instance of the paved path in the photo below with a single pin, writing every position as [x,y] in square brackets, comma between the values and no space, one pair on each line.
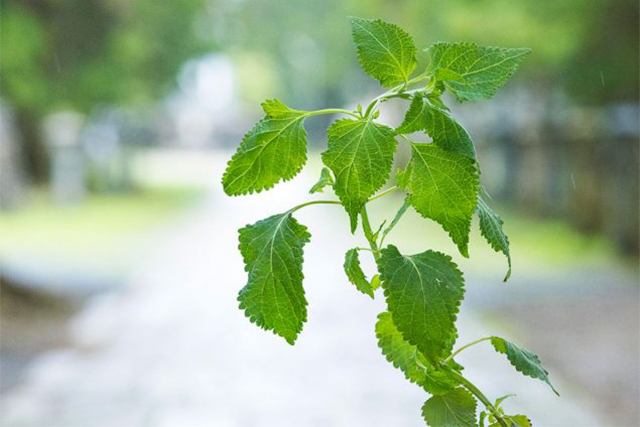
[172,349]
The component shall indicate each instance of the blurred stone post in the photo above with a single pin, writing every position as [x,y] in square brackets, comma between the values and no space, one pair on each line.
[12,179]
[62,132]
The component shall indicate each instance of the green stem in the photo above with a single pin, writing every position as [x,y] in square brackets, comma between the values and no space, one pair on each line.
[368,233]
[384,193]
[481,397]
[332,111]
[315,202]
[397,91]
[455,353]
[396,219]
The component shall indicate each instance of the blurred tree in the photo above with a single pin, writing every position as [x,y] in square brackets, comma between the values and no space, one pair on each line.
[76,54]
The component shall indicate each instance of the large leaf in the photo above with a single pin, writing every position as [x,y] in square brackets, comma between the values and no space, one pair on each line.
[455,409]
[360,154]
[409,360]
[443,186]
[473,72]
[491,229]
[445,131]
[423,293]
[273,297]
[385,51]
[274,149]
[355,273]
[523,360]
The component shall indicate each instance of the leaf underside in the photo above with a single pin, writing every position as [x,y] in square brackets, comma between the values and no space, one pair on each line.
[523,360]
[273,297]
[473,72]
[455,409]
[423,293]
[443,186]
[491,229]
[355,273]
[445,131]
[275,149]
[385,51]
[360,154]
[409,360]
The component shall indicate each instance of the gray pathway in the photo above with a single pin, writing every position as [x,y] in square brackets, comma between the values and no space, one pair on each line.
[172,349]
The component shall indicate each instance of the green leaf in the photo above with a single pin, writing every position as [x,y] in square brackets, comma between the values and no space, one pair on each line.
[375,282]
[473,72]
[355,273]
[385,51]
[409,360]
[445,131]
[274,149]
[523,360]
[519,420]
[455,409]
[491,229]
[443,186]
[273,297]
[514,421]
[423,293]
[360,154]
[325,180]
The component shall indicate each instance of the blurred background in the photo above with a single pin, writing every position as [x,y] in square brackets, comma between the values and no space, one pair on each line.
[118,248]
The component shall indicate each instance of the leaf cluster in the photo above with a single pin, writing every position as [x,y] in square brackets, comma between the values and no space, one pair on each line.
[442,182]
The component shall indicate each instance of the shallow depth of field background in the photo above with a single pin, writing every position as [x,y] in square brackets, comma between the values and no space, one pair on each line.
[118,248]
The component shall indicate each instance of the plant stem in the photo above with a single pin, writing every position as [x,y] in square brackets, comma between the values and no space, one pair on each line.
[332,111]
[396,219]
[481,397]
[384,193]
[395,92]
[455,353]
[368,233]
[315,202]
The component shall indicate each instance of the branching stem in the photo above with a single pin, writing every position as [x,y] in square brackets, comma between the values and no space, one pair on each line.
[384,193]
[368,233]
[455,353]
[395,92]
[333,111]
[480,396]
[315,202]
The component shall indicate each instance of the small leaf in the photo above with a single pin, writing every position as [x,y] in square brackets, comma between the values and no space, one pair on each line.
[409,360]
[445,131]
[483,415]
[491,229]
[455,409]
[523,360]
[385,51]
[375,282]
[274,149]
[396,219]
[360,154]
[514,421]
[355,273]
[325,180]
[423,293]
[473,72]
[443,186]
[273,297]
[519,420]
